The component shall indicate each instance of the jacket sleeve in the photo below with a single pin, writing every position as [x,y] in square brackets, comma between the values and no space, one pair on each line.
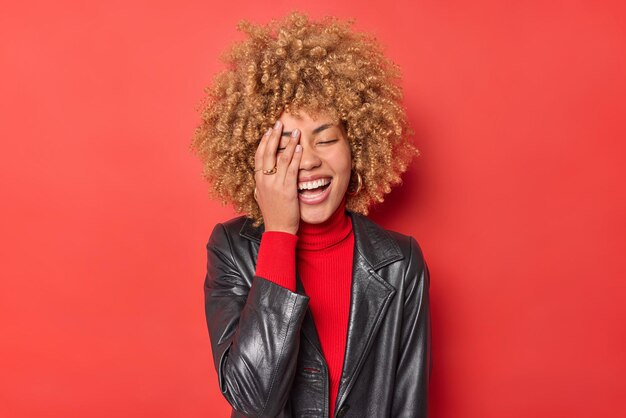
[410,399]
[254,332]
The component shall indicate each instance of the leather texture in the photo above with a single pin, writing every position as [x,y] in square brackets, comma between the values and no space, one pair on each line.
[266,348]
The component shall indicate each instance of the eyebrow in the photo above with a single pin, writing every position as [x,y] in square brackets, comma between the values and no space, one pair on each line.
[315,131]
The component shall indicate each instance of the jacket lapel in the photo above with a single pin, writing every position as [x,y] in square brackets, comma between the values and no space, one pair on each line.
[371,294]
[369,299]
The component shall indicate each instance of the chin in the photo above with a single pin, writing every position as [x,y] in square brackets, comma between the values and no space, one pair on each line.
[312,219]
[315,216]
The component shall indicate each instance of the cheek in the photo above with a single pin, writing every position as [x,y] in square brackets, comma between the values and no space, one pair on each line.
[345,169]
[341,161]
[346,160]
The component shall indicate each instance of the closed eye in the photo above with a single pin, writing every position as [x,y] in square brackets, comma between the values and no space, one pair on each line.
[321,142]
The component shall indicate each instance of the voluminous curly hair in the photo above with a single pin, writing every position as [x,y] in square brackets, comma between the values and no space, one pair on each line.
[298,64]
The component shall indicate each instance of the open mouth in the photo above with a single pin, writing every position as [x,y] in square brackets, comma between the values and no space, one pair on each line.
[316,191]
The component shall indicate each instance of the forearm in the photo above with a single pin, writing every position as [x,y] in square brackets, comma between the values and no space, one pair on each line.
[257,367]
[255,333]
[277,258]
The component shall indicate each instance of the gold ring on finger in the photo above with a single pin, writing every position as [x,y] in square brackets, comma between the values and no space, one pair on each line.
[272,171]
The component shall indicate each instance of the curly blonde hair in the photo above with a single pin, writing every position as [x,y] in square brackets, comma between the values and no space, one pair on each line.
[293,64]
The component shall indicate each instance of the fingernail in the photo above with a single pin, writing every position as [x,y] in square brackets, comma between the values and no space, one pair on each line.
[295,133]
[277,124]
[298,148]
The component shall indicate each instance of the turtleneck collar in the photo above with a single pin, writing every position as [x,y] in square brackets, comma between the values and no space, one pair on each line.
[315,237]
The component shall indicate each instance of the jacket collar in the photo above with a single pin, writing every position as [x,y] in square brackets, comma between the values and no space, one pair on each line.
[371,241]
[370,295]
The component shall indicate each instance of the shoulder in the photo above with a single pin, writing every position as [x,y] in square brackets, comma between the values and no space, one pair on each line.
[390,241]
[226,231]
[406,243]
[234,225]
[411,248]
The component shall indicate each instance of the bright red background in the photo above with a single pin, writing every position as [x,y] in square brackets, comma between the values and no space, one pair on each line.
[517,201]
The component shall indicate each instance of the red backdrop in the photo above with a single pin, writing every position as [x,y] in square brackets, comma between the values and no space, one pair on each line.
[517,201]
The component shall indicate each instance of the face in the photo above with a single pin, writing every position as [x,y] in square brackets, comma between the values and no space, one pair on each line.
[326,156]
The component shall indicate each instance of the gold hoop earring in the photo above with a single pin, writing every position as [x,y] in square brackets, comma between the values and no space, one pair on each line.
[359,186]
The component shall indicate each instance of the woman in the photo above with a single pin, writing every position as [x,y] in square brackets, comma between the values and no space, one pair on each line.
[313,310]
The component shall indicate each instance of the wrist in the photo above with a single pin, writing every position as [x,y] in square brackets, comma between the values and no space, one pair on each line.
[293,231]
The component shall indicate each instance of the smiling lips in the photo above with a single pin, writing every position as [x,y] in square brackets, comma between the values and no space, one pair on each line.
[314,192]
[314,184]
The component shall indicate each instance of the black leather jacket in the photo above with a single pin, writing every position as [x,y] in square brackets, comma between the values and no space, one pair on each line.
[266,349]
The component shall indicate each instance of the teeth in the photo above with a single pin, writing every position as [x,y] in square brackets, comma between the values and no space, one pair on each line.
[313,184]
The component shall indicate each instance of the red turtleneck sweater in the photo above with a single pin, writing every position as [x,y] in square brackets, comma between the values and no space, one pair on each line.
[322,254]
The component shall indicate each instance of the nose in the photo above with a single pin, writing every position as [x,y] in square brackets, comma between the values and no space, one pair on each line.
[310,159]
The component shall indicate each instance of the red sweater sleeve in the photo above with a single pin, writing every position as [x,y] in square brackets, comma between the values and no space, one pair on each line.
[277,258]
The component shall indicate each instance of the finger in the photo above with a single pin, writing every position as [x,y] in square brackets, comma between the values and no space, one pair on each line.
[258,156]
[284,157]
[269,154]
[291,179]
